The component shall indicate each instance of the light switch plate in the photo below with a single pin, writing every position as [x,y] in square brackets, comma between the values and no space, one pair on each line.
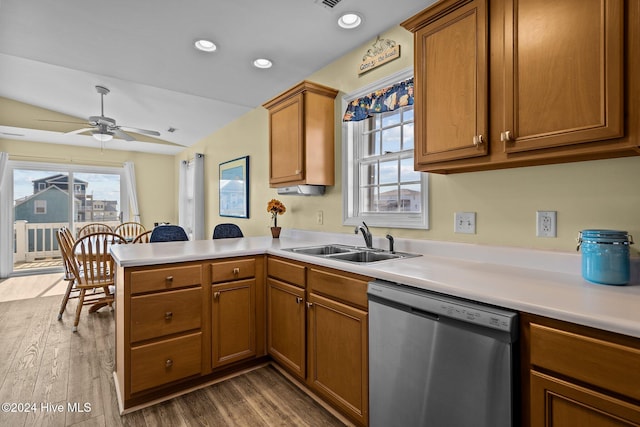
[464,222]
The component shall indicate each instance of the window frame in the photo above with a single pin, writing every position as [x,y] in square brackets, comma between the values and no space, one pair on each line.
[350,175]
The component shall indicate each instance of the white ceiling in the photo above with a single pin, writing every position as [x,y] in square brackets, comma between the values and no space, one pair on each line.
[54,52]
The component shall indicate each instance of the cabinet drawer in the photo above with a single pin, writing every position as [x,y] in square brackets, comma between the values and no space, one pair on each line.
[165,278]
[170,360]
[601,363]
[225,271]
[286,271]
[165,313]
[343,286]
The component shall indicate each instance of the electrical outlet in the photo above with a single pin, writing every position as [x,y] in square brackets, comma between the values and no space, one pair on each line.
[319,217]
[546,224]
[464,222]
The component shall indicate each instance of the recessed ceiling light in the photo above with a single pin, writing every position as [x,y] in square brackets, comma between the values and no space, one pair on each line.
[350,20]
[262,63]
[205,45]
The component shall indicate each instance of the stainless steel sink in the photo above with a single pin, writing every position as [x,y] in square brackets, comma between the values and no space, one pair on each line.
[355,254]
[322,250]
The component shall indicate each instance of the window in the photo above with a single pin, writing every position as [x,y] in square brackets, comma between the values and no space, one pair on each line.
[40,207]
[380,184]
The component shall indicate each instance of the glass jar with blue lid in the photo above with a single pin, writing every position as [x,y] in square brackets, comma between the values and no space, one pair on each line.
[605,256]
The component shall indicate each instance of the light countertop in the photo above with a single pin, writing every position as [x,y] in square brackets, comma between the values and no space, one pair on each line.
[538,282]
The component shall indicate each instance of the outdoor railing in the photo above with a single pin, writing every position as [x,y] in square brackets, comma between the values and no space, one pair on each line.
[34,241]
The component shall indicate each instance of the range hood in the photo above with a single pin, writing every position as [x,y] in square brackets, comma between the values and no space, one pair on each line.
[302,190]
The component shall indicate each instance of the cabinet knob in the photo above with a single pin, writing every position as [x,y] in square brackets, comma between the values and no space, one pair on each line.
[477,140]
[236,271]
[216,295]
[505,136]
[168,363]
[298,300]
[168,315]
[298,171]
[309,304]
[169,278]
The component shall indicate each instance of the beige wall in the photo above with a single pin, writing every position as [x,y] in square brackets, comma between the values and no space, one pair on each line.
[596,194]
[154,173]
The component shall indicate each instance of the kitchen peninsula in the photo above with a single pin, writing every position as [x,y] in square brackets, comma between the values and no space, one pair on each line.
[198,278]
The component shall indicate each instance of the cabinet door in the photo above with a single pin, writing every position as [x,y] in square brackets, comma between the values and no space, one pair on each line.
[338,355]
[563,72]
[555,402]
[287,141]
[233,322]
[451,86]
[286,326]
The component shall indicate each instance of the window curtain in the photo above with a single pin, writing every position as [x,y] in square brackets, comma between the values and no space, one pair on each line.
[380,101]
[191,197]
[130,175]
[4,158]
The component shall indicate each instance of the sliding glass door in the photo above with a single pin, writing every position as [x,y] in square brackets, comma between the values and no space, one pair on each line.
[45,197]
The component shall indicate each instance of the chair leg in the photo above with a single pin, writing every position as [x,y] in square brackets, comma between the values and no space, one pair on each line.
[78,310]
[65,299]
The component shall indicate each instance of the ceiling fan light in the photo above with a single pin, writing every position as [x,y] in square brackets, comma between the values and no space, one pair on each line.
[205,45]
[350,20]
[102,137]
[262,63]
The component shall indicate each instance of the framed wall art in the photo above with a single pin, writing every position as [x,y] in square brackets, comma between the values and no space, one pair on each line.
[234,188]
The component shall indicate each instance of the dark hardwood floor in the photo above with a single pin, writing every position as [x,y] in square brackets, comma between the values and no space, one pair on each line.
[53,377]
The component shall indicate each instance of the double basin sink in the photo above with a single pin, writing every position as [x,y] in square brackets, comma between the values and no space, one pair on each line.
[355,254]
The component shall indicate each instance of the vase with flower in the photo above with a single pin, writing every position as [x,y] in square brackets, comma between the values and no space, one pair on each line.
[275,207]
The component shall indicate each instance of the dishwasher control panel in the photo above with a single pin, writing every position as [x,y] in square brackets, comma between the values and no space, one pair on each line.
[435,305]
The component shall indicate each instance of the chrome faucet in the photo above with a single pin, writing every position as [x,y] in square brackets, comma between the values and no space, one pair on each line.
[368,239]
[390,238]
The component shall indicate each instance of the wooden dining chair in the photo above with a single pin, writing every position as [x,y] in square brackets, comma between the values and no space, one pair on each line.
[94,227]
[129,230]
[143,237]
[93,269]
[65,245]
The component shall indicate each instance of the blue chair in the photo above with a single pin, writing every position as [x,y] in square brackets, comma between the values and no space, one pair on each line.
[226,231]
[168,233]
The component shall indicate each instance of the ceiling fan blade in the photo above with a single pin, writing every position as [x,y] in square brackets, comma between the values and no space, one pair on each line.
[143,131]
[123,135]
[75,132]
[62,121]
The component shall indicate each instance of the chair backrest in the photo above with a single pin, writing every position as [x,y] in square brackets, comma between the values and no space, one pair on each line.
[168,233]
[94,227]
[143,237]
[65,244]
[129,230]
[91,260]
[226,231]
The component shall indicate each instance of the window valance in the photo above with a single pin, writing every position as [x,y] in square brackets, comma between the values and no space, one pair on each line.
[387,99]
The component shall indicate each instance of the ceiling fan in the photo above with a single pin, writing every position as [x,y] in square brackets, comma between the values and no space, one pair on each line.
[105,128]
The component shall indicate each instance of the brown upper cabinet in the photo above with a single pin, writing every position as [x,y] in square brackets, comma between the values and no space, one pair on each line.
[506,83]
[301,136]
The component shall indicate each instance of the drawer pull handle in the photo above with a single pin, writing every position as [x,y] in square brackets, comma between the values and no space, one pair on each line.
[168,315]
[169,279]
[216,295]
[477,140]
[309,304]
[298,300]
[236,271]
[168,363]
[505,136]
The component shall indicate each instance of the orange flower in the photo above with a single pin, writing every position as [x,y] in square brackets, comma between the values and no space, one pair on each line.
[275,208]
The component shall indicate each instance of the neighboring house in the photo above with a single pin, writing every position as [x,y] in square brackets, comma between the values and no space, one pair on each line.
[409,201]
[61,181]
[48,205]
[101,210]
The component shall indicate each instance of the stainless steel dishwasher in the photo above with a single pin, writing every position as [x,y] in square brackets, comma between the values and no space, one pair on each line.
[438,361]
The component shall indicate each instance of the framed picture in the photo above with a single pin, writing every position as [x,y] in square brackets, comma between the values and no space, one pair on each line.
[234,188]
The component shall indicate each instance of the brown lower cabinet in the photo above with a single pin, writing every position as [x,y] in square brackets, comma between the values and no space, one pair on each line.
[578,376]
[317,329]
[184,324]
